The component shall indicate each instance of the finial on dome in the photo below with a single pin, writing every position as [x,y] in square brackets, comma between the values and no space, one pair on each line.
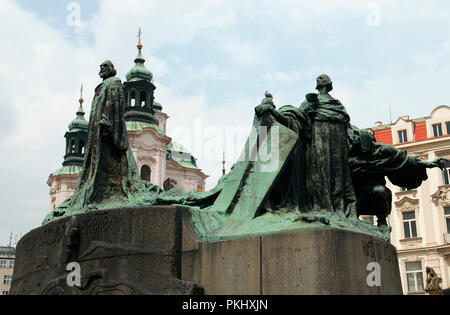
[81,95]
[140,46]
[79,123]
[139,72]
[81,100]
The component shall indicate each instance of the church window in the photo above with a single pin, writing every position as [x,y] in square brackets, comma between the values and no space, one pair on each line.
[143,99]
[133,99]
[146,173]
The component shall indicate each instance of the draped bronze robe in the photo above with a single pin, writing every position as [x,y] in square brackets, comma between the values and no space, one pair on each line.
[110,176]
[318,176]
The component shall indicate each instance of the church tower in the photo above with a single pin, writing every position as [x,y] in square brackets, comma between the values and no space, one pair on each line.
[64,181]
[160,160]
[76,137]
[140,90]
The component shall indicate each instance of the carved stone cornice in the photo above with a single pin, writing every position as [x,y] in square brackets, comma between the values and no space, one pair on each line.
[159,149]
[407,204]
[412,193]
[442,196]
[443,153]
[423,155]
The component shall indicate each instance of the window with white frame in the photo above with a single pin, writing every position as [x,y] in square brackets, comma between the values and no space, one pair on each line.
[7,279]
[3,264]
[11,264]
[447,218]
[414,275]
[409,224]
[437,130]
[447,124]
[402,136]
[5,293]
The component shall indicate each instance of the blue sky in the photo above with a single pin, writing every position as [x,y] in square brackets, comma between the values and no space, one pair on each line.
[212,62]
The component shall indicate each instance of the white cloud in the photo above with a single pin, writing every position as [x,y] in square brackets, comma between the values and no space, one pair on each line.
[280,46]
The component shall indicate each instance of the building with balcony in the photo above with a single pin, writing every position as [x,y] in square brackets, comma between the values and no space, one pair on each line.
[420,218]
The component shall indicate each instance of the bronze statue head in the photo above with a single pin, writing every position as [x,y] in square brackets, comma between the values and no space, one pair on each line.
[324,81]
[107,70]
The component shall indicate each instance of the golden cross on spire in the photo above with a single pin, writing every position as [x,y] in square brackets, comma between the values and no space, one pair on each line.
[81,95]
[139,46]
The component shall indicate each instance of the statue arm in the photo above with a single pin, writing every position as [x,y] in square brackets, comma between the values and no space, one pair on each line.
[279,117]
[271,109]
[436,163]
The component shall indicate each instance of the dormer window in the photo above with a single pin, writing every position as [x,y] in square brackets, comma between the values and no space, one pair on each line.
[448,127]
[402,136]
[437,130]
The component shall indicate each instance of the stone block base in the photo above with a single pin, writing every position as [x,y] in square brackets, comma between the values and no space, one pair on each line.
[122,251]
[154,250]
[326,261]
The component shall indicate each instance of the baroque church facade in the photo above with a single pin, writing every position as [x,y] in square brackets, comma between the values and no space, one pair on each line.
[161,160]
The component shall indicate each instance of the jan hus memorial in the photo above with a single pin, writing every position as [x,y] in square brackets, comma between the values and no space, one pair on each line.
[284,220]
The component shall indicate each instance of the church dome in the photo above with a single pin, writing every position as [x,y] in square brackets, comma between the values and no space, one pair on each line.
[139,71]
[79,123]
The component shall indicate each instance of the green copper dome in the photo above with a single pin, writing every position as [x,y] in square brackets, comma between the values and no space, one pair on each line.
[139,71]
[79,123]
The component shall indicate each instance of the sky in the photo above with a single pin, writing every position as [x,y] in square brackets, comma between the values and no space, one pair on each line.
[212,61]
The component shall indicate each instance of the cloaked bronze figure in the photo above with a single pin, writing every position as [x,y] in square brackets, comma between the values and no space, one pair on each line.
[110,176]
[337,167]
[322,171]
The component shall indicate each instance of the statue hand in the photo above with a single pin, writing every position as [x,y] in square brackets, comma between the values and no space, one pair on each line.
[440,163]
[436,163]
[264,108]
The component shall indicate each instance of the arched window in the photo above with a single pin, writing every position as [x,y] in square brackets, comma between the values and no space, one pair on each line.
[143,99]
[81,147]
[133,99]
[146,173]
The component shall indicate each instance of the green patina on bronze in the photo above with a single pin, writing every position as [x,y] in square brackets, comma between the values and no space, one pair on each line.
[301,168]
[110,177]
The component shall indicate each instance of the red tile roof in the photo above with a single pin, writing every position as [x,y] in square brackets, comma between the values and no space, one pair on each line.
[384,136]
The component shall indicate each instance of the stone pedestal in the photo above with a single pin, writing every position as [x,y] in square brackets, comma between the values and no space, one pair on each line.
[326,261]
[123,251]
[154,250]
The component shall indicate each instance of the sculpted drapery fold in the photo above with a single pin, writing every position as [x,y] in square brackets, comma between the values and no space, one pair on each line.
[110,177]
